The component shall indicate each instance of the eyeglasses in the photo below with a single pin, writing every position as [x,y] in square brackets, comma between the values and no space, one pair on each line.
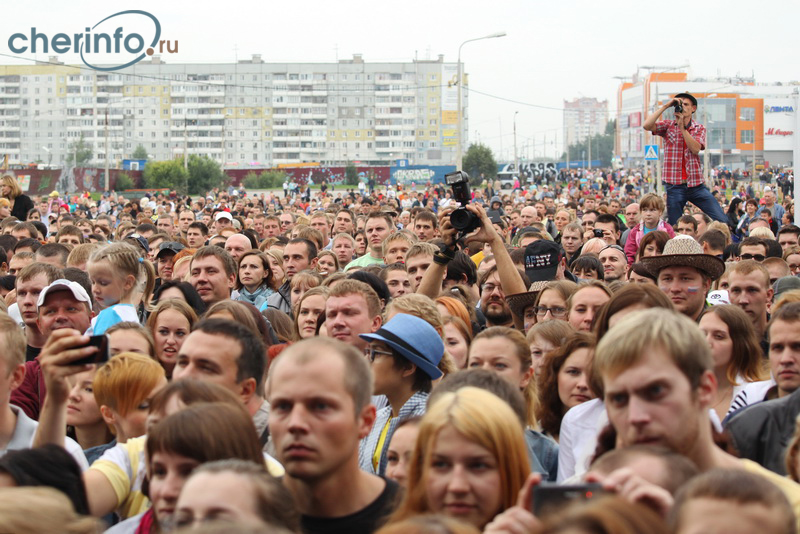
[488,288]
[556,311]
[757,257]
[371,352]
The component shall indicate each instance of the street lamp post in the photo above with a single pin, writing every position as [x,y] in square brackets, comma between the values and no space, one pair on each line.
[107,151]
[458,83]
[706,170]
[516,160]
[753,175]
[108,105]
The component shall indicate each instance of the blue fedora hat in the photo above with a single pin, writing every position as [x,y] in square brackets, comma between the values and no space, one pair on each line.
[414,339]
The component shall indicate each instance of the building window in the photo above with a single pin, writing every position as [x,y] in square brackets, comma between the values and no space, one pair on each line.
[746,136]
[748,114]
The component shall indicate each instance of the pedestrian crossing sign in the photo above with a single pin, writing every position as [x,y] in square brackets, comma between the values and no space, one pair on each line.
[651,152]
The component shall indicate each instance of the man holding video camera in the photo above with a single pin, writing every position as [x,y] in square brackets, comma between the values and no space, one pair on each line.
[683,172]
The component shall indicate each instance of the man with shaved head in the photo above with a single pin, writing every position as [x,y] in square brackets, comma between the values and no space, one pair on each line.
[236,245]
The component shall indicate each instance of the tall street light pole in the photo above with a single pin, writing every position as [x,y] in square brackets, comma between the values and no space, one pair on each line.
[706,170]
[459,111]
[516,160]
[108,146]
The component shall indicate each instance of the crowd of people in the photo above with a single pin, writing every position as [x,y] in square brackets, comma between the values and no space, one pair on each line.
[349,362]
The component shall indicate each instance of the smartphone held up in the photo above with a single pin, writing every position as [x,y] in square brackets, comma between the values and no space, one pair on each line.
[102,354]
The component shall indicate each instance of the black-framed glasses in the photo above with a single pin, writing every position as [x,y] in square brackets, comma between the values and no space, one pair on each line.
[555,311]
[372,352]
[757,257]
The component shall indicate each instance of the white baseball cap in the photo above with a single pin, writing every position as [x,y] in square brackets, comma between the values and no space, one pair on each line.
[223,215]
[65,285]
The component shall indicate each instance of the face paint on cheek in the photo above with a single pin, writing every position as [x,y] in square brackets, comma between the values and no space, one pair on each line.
[692,289]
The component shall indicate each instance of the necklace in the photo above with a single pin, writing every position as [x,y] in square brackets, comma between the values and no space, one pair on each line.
[722,394]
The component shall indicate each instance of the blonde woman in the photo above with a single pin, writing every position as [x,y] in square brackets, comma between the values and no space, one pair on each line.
[459,428]
[5,208]
[21,204]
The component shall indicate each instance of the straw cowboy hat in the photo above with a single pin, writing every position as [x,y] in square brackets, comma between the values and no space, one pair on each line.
[519,301]
[684,251]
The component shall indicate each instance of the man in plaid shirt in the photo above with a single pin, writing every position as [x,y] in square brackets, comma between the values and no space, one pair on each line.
[683,171]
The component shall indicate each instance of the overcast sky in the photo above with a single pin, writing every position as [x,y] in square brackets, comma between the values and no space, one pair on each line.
[553,50]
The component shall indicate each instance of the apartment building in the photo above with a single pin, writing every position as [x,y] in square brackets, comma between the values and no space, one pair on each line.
[584,118]
[245,114]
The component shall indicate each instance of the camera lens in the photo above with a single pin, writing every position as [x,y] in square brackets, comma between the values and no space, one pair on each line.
[461,219]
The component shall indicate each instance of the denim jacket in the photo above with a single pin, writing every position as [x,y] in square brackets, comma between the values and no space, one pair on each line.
[543,454]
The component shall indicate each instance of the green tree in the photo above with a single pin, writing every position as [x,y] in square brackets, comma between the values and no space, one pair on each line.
[82,150]
[124,182]
[205,174]
[478,160]
[139,153]
[166,174]
[350,174]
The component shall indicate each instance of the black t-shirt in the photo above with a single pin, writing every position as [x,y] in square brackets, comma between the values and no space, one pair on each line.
[31,353]
[365,521]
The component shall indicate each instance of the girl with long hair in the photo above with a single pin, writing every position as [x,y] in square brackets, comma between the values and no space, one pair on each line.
[474,436]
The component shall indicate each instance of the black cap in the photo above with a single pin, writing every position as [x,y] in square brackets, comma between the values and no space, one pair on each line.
[172,246]
[541,260]
[140,240]
[687,95]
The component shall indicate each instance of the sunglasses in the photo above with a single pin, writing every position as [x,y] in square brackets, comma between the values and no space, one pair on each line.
[757,257]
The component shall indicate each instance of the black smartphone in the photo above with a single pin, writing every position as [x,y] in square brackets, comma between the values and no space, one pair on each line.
[101,356]
[549,498]
[598,233]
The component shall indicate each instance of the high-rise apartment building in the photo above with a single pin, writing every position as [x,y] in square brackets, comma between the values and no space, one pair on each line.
[583,118]
[248,113]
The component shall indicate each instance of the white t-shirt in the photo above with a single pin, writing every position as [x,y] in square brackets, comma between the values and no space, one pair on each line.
[577,438]
[25,432]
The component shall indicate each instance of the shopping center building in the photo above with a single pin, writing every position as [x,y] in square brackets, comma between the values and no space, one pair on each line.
[745,120]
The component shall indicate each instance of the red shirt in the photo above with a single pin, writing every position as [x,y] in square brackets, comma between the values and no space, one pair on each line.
[677,156]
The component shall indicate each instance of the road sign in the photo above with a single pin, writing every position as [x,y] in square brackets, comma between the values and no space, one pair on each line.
[651,152]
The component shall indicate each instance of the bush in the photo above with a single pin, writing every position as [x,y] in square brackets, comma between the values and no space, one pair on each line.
[265,180]
[252,180]
[124,182]
[272,179]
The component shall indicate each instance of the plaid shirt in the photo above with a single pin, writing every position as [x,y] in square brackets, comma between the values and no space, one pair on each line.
[415,406]
[675,150]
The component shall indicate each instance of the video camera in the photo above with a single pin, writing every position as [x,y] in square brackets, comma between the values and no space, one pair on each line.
[462,220]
